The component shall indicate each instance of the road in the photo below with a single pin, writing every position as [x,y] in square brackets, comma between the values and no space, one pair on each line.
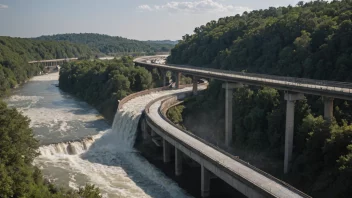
[333,89]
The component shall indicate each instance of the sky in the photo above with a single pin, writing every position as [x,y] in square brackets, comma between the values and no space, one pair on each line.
[134,19]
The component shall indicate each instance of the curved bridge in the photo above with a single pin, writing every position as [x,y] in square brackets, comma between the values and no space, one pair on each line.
[294,88]
[214,162]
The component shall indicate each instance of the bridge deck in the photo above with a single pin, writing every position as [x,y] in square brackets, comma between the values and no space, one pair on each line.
[52,60]
[267,184]
[309,86]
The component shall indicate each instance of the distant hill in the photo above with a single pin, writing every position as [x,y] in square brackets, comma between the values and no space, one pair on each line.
[163,42]
[16,52]
[112,44]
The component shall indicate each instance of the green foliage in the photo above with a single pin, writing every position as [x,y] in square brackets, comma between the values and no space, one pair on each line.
[104,82]
[113,44]
[175,114]
[312,40]
[15,53]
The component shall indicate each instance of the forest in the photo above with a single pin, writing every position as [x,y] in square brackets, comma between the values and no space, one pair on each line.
[103,83]
[16,52]
[112,44]
[310,40]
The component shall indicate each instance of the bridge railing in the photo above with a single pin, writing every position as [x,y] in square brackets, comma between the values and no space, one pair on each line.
[272,78]
[290,81]
[164,108]
[221,163]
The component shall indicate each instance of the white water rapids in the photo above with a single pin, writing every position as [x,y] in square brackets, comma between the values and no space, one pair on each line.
[106,159]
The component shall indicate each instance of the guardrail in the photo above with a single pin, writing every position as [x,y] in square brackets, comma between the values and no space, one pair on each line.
[164,107]
[137,94]
[145,92]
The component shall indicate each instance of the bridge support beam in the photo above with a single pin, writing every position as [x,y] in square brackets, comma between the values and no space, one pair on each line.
[228,109]
[205,182]
[178,79]
[152,133]
[164,79]
[163,73]
[166,151]
[195,85]
[144,128]
[328,108]
[178,162]
[290,97]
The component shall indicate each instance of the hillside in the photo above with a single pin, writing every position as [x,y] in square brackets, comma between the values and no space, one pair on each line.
[16,52]
[112,44]
[312,40]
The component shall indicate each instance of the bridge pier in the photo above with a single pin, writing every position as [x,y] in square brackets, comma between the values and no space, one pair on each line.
[205,182]
[163,73]
[195,85]
[144,128]
[328,108]
[178,78]
[178,162]
[228,109]
[166,151]
[152,133]
[164,79]
[290,97]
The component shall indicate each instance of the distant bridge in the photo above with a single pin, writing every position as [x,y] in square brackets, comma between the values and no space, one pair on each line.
[52,62]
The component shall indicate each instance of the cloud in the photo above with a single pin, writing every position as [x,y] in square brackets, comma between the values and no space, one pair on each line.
[2,6]
[198,6]
[144,7]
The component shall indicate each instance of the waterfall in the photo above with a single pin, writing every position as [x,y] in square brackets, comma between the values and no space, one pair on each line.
[109,160]
[68,148]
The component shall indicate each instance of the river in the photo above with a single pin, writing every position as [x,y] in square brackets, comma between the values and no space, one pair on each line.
[78,146]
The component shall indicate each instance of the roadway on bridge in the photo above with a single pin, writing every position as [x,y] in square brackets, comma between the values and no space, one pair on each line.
[267,184]
[309,86]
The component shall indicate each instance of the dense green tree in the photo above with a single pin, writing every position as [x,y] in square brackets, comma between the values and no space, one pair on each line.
[113,44]
[103,83]
[310,40]
[15,53]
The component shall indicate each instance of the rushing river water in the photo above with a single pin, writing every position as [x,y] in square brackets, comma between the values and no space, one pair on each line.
[78,146]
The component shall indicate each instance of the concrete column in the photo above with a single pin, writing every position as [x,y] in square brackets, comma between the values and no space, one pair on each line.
[178,162]
[164,80]
[178,78]
[195,85]
[228,110]
[205,182]
[290,115]
[328,108]
[166,151]
[144,129]
[152,133]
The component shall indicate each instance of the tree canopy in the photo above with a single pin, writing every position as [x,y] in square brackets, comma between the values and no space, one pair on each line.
[15,53]
[103,83]
[311,40]
[112,44]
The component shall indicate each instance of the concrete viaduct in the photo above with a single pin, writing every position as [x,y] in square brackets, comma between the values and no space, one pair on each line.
[53,62]
[215,162]
[294,88]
